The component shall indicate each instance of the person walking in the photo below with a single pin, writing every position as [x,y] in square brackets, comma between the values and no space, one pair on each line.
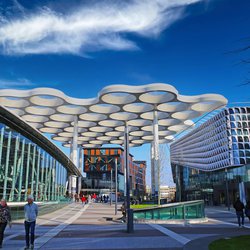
[247,209]
[84,199]
[31,212]
[239,206]
[5,218]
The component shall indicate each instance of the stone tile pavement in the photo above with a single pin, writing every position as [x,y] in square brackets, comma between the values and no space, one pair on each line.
[95,226]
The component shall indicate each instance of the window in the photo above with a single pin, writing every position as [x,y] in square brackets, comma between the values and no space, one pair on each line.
[237,111]
[232,124]
[242,153]
[244,118]
[243,110]
[242,161]
[237,118]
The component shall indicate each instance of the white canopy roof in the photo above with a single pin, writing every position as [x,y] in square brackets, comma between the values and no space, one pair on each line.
[101,119]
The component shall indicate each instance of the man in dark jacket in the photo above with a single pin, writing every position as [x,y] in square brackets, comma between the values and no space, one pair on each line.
[239,206]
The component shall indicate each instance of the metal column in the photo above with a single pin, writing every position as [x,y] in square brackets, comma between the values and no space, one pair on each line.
[50,179]
[1,144]
[38,175]
[130,219]
[33,171]
[13,186]
[7,166]
[46,178]
[72,190]
[58,172]
[80,169]
[111,186]
[152,172]
[115,186]
[42,186]
[74,142]
[21,173]
[156,157]
[53,171]
[27,173]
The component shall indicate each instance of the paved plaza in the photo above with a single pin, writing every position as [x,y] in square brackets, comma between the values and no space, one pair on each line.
[96,227]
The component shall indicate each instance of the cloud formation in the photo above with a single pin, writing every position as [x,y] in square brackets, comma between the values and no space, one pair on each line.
[17,84]
[104,25]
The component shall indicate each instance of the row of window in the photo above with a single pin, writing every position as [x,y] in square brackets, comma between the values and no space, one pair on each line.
[245,131]
[211,141]
[238,118]
[238,110]
[239,124]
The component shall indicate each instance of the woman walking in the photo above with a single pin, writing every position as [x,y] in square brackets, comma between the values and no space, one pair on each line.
[5,218]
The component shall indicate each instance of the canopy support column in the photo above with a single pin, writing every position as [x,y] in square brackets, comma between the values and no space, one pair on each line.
[156,158]
[130,219]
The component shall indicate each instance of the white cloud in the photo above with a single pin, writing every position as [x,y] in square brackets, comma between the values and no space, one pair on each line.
[19,83]
[89,28]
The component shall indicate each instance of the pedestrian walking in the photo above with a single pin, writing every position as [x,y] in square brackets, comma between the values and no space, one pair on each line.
[5,218]
[94,197]
[247,209]
[89,198]
[31,212]
[239,206]
[123,209]
[84,199]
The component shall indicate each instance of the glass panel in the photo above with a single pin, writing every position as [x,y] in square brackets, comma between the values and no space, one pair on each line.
[184,210]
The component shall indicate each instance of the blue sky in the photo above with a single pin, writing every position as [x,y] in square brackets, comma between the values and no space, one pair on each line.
[80,47]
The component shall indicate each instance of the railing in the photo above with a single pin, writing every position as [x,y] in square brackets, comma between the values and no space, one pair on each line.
[174,211]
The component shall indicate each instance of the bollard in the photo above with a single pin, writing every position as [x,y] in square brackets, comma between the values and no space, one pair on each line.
[130,221]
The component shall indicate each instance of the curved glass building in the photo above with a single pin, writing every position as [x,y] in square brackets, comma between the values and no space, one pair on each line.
[30,163]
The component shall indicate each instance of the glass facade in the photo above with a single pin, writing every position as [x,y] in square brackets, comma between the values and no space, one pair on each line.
[26,168]
[213,161]
[213,186]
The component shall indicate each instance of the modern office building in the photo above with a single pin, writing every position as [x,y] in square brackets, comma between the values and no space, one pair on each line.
[98,163]
[30,163]
[212,162]
[139,178]
[167,193]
